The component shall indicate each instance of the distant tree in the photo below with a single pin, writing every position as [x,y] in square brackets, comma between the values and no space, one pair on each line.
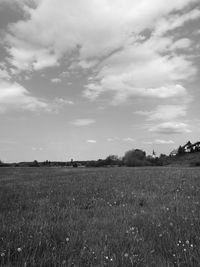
[34,163]
[181,150]
[75,165]
[135,157]
[111,160]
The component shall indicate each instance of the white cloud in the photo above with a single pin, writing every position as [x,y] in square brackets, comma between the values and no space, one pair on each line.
[170,128]
[14,96]
[175,21]
[82,122]
[165,112]
[91,141]
[109,35]
[181,44]
[58,104]
[63,101]
[163,142]
[56,80]
[138,70]
[3,72]
[40,40]
[159,142]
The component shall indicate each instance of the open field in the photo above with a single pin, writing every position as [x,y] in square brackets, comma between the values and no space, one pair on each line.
[100,217]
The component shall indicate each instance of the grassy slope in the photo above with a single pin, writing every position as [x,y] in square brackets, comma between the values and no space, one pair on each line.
[100,217]
[188,159]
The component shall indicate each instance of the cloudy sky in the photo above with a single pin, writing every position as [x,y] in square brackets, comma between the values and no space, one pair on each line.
[84,79]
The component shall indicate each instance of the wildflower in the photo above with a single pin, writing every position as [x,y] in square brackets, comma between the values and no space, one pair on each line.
[19,250]
[67,239]
[191,245]
[126,255]
[2,254]
[184,249]
[187,242]
[106,257]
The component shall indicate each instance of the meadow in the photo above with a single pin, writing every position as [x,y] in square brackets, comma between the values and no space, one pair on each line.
[100,217]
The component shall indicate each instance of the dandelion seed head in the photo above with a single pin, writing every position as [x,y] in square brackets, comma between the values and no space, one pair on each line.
[2,254]
[19,249]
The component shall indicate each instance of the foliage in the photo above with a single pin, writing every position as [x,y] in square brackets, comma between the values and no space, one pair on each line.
[135,157]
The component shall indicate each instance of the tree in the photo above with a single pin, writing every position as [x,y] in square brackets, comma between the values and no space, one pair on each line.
[111,160]
[181,150]
[135,157]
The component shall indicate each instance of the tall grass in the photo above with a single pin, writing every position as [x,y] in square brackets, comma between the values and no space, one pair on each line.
[100,217]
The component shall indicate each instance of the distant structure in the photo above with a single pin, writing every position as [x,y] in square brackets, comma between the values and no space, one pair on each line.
[187,148]
[153,154]
[174,152]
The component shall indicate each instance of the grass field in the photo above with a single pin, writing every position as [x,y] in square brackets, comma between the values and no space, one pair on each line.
[100,217]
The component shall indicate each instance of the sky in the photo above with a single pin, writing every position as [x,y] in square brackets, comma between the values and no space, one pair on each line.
[85,79]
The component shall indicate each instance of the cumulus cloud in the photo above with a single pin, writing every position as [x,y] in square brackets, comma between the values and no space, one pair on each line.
[14,96]
[109,36]
[82,122]
[165,112]
[170,128]
[138,70]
